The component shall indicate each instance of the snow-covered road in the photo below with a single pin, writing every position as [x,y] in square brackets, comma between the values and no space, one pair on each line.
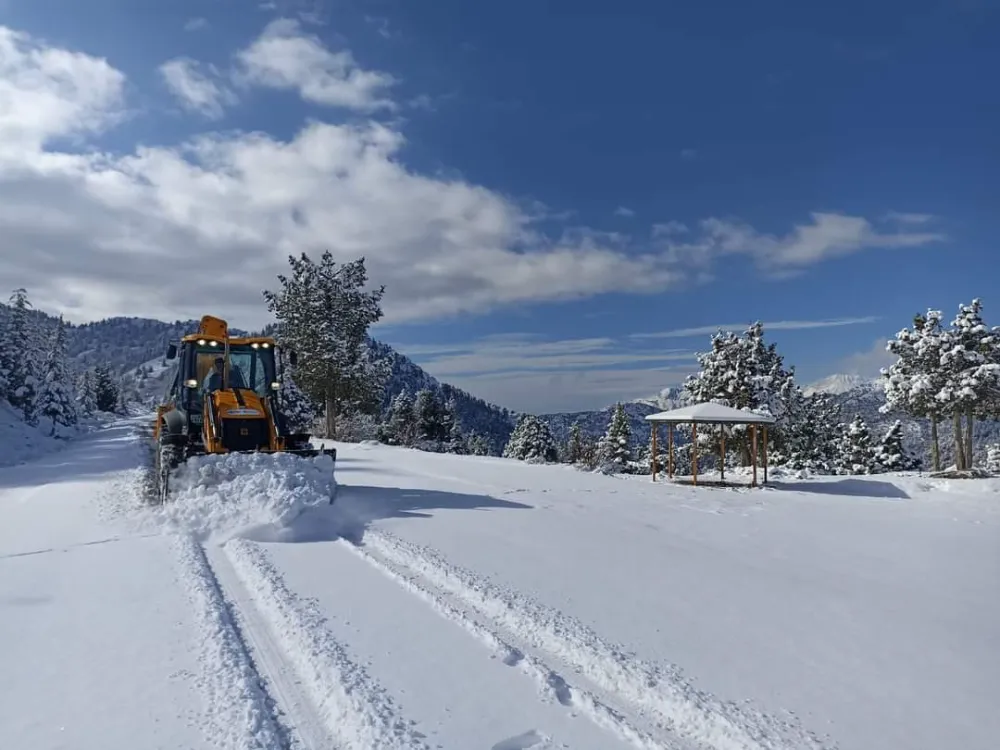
[460,602]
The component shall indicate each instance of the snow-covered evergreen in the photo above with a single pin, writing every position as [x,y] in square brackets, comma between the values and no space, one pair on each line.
[18,353]
[993,458]
[297,408]
[531,440]
[891,454]
[323,313]
[57,399]
[857,454]
[615,448]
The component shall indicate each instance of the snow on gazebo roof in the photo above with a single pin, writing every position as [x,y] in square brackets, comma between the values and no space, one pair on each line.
[709,413]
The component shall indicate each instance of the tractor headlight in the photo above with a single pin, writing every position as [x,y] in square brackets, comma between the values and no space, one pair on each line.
[201,342]
[191,383]
[275,385]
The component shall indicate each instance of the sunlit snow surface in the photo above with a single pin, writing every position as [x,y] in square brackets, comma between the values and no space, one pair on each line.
[460,602]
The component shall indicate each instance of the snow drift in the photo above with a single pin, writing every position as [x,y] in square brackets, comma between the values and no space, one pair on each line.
[220,497]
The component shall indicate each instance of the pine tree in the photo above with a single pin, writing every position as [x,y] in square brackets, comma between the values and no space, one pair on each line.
[56,400]
[743,373]
[17,350]
[430,419]
[857,455]
[324,314]
[890,455]
[401,426]
[971,361]
[615,449]
[531,440]
[993,458]
[87,393]
[478,445]
[914,382]
[456,439]
[296,408]
[574,446]
[105,389]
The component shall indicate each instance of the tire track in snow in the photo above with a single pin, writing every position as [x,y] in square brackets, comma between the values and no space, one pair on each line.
[308,730]
[240,713]
[662,693]
[551,685]
[357,712]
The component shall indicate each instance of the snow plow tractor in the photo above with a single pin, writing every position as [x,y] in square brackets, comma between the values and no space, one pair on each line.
[224,398]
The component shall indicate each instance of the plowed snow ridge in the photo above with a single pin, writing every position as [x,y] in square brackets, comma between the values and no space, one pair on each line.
[682,709]
[222,496]
[357,711]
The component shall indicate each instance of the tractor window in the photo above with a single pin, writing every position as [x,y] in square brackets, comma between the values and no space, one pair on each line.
[249,368]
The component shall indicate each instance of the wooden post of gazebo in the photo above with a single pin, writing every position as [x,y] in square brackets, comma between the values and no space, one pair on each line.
[694,453]
[722,461]
[753,453]
[670,450]
[652,441]
[765,454]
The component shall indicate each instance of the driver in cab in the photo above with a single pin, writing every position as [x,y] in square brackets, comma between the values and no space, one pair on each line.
[213,381]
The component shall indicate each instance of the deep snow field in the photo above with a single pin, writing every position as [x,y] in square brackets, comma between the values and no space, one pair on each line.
[461,603]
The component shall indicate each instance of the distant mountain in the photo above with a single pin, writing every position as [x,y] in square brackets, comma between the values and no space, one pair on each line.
[595,423]
[836,384]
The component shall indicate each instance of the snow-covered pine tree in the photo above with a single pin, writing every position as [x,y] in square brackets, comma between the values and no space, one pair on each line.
[993,458]
[915,380]
[298,410]
[743,373]
[891,454]
[56,401]
[574,446]
[105,388]
[324,314]
[532,441]
[857,455]
[400,428]
[457,442]
[478,445]
[615,448]
[18,351]
[812,438]
[430,420]
[971,361]
[86,393]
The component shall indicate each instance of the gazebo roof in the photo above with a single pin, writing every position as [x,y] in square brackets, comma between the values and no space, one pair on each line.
[709,413]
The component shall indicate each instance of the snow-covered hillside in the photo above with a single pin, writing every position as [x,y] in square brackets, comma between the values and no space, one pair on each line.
[461,602]
[837,384]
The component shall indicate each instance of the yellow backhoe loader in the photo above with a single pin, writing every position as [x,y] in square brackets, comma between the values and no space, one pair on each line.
[224,398]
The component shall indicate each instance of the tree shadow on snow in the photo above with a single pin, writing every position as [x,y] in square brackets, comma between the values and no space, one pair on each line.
[848,487]
[358,506]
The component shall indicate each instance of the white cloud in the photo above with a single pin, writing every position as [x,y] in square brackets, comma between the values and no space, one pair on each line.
[196,24]
[828,236]
[688,154]
[776,325]
[284,57]
[48,93]
[624,211]
[195,90]
[867,363]
[165,231]
[529,373]
[905,218]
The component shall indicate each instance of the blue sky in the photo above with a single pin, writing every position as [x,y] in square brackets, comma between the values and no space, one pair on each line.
[541,189]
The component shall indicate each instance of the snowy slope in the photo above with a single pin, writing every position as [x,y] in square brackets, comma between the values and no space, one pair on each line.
[460,602]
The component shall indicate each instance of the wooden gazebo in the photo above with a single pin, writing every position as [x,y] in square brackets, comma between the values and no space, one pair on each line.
[712,414]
